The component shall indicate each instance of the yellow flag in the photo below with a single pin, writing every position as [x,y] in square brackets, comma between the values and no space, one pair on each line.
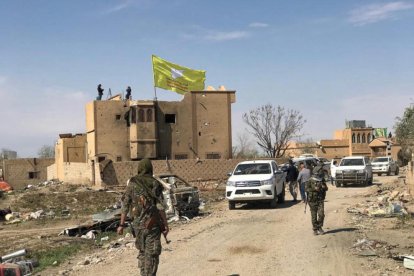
[175,77]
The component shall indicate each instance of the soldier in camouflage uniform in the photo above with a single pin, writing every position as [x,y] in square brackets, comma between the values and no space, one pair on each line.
[143,197]
[316,191]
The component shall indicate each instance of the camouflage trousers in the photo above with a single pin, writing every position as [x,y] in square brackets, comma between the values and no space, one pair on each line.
[148,242]
[293,186]
[317,214]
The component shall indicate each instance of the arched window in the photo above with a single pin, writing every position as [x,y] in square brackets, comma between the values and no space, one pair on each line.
[363,138]
[149,115]
[353,138]
[358,138]
[369,138]
[141,115]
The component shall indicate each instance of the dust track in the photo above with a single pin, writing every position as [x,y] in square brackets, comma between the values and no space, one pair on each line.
[255,241]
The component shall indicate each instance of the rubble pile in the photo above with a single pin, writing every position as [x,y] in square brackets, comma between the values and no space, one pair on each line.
[387,204]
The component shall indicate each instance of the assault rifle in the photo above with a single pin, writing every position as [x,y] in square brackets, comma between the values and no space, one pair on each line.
[155,218]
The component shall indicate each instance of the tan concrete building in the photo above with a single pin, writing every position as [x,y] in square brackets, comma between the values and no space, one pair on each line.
[117,130]
[355,139]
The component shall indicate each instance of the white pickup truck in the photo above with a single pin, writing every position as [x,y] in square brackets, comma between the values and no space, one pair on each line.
[258,180]
[355,170]
[384,164]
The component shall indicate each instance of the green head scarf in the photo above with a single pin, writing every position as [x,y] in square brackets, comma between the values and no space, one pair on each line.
[145,167]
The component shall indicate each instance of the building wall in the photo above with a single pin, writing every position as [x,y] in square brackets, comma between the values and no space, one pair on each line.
[51,172]
[202,127]
[117,173]
[77,173]
[108,135]
[333,152]
[21,172]
[71,149]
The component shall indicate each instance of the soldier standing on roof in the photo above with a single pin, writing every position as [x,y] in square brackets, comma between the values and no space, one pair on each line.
[100,92]
[144,195]
[128,94]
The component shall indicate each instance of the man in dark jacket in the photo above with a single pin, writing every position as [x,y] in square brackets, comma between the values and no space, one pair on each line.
[291,177]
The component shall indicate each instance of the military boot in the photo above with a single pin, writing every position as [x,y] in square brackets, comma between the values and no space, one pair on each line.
[320,231]
[315,232]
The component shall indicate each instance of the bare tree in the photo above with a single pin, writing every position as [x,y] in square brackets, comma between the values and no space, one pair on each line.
[46,152]
[274,127]
[244,148]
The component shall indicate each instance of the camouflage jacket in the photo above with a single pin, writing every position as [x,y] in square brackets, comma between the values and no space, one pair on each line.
[138,199]
[316,190]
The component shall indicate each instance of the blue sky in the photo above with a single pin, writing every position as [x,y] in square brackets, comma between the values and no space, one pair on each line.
[332,60]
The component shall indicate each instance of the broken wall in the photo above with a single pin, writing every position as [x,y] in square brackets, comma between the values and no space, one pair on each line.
[23,171]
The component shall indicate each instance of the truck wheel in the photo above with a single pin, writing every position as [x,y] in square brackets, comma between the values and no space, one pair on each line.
[338,183]
[273,202]
[281,197]
[379,174]
[397,171]
[232,205]
[389,172]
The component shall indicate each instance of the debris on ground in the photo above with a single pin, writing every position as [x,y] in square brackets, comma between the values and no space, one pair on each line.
[385,221]
[409,262]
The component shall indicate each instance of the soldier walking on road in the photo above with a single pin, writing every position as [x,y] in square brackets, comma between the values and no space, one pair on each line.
[316,192]
[143,196]
[291,177]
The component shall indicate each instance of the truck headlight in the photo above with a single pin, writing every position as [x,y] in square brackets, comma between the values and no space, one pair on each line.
[338,171]
[361,171]
[231,183]
[266,182]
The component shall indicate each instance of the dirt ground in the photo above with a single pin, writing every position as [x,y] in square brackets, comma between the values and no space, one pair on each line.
[256,240]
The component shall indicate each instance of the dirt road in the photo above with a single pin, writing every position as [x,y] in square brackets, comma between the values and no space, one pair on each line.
[255,241]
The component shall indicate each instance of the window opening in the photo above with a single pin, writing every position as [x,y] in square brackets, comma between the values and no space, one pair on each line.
[170,118]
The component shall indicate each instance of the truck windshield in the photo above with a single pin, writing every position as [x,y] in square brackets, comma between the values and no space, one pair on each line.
[380,159]
[254,168]
[352,162]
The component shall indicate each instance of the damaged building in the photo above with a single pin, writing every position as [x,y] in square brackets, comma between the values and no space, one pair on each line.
[118,130]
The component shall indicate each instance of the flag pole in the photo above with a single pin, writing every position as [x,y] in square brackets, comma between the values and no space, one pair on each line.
[153,72]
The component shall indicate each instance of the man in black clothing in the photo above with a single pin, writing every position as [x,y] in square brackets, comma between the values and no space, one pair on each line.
[291,177]
[128,94]
[100,92]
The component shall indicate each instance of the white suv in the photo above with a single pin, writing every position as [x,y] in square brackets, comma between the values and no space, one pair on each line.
[353,169]
[384,164]
[259,180]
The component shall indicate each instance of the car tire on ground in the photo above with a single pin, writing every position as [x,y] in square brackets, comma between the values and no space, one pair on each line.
[389,172]
[232,205]
[338,183]
[397,171]
[379,174]
[281,197]
[273,202]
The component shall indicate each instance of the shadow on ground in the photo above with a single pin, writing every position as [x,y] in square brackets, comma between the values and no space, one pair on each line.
[333,231]
[258,205]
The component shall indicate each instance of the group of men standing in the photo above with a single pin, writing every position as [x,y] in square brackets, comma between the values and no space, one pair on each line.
[100,89]
[312,187]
